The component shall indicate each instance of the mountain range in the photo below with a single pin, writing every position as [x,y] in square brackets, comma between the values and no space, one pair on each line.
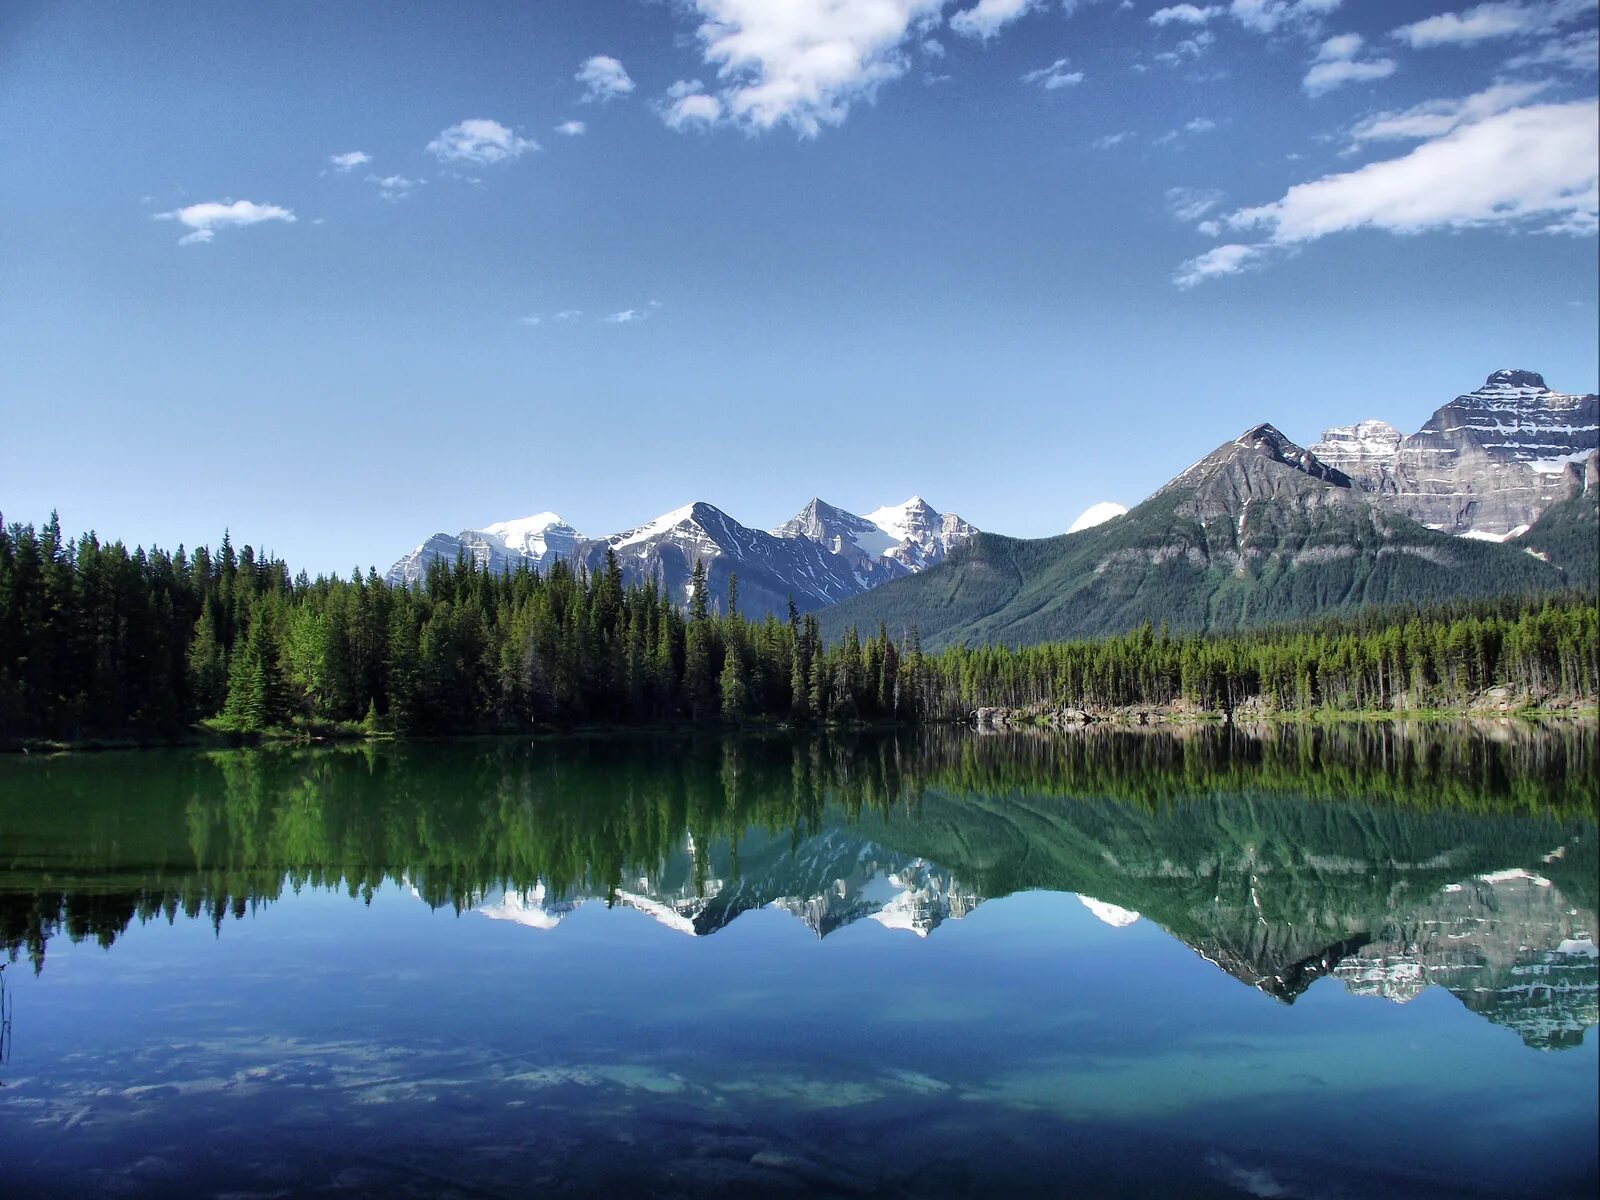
[1495,493]
[822,555]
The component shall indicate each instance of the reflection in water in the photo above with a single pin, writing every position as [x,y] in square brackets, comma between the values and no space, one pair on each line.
[1393,859]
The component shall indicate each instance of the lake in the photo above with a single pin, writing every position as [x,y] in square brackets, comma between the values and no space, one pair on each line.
[1306,961]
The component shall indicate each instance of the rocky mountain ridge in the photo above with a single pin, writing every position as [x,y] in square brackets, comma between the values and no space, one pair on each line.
[824,554]
[1487,464]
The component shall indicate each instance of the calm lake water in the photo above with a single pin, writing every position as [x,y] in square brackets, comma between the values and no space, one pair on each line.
[1301,963]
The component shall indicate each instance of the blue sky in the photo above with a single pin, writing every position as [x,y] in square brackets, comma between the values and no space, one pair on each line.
[334,276]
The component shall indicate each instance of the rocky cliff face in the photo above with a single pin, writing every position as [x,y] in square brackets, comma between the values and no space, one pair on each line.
[1485,465]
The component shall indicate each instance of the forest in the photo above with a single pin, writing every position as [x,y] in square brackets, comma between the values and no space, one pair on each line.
[97,641]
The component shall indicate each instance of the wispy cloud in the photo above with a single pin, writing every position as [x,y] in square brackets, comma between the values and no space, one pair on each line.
[394,188]
[1483,22]
[1273,16]
[350,161]
[1054,76]
[1108,140]
[204,219]
[687,104]
[572,129]
[1337,63]
[1188,49]
[1575,52]
[603,79]
[1190,204]
[1531,168]
[985,18]
[1435,118]
[625,316]
[480,142]
[1219,260]
[1186,14]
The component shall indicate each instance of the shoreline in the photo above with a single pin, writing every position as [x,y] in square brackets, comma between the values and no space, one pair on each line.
[986,719]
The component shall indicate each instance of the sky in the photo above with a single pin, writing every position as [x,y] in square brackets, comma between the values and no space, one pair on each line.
[337,277]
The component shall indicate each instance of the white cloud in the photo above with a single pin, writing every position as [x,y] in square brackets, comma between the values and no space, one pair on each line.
[1502,18]
[1190,47]
[1575,52]
[1336,65]
[626,316]
[394,188]
[1108,140]
[1219,260]
[572,129]
[204,219]
[984,19]
[1268,16]
[480,142]
[350,161]
[567,314]
[1054,76]
[531,320]
[1435,118]
[933,47]
[1200,125]
[603,79]
[1344,45]
[1190,204]
[1531,167]
[1185,14]
[688,106]
[1324,77]
[804,62]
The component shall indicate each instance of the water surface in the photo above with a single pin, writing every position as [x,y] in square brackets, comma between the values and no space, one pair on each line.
[1304,962]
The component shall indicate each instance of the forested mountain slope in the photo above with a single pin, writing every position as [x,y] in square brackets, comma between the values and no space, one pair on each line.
[1259,531]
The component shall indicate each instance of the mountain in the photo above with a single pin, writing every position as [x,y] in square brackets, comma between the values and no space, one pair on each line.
[770,569]
[536,541]
[823,555]
[1486,465]
[1258,531]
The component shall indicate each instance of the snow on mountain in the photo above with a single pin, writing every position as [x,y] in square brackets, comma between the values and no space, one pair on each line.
[771,569]
[1111,914]
[536,542]
[923,533]
[538,535]
[821,556]
[1097,514]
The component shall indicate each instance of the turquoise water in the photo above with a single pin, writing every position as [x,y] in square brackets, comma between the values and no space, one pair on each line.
[1128,965]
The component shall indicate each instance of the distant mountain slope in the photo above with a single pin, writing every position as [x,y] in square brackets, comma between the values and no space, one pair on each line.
[1568,533]
[1257,532]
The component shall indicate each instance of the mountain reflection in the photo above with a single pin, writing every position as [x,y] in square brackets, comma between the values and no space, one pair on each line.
[1393,858]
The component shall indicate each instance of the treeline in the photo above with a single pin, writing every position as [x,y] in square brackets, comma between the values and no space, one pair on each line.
[96,640]
[1540,649]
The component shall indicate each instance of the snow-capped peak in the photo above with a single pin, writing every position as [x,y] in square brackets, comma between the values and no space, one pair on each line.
[903,519]
[533,535]
[1097,514]
[655,528]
